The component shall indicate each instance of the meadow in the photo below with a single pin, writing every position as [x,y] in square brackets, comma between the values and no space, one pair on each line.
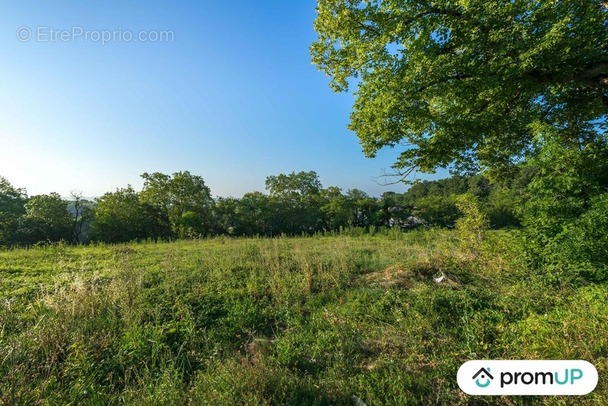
[307,320]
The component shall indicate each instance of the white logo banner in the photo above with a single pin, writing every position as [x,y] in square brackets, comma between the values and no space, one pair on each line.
[526,377]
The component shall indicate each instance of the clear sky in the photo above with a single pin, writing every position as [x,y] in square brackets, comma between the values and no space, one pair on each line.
[229,93]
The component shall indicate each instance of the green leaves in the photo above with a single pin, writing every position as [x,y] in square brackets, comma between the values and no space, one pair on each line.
[47,219]
[301,183]
[12,206]
[168,206]
[183,199]
[463,82]
[119,217]
[565,210]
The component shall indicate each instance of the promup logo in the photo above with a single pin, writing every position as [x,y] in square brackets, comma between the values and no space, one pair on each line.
[527,377]
[485,376]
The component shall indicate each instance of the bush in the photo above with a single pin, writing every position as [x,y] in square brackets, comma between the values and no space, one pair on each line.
[472,225]
[566,212]
[582,245]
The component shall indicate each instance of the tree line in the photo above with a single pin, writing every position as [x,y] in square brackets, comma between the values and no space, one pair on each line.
[181,206]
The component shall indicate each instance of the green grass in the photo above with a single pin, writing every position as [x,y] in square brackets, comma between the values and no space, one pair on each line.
[283,321]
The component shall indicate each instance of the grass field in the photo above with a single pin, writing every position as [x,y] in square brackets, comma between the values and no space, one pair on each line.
[306,321]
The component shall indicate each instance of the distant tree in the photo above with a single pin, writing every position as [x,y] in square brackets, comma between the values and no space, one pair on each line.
[437,210]
[334,208]
[295,199]
[12,207]
[156,224]
[226,213]
[301,183]
[479,186]
[255,215]
[393,210]
[183,199]
[81,211]
[364,210]
[78,218]
[454,185]
[46,219]
[415,192]
[434,201]
[119,217]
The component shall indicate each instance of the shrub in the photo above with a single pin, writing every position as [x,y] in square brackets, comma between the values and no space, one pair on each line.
[565,214]
[471,225]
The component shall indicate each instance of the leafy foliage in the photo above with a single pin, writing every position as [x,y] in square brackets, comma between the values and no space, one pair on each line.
[472,225]
[564,212]
[437,210]
[12,207]
[46,219]
[469,83]
[182,199]
[120,216]
[180,206]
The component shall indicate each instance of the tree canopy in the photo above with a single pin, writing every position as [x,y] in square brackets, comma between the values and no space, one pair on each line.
[119,216]
[46,219]
[183,200]
[471,83]
[301,183]
[12,207]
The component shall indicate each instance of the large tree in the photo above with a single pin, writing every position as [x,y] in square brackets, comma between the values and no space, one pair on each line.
[471,83]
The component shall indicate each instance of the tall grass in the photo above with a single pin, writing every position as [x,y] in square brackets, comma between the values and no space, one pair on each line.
[313,320]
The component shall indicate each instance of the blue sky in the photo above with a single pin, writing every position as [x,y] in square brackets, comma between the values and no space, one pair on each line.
[232,97]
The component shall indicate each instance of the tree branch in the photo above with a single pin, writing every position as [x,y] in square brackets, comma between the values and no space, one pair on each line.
[400,176]
[458,76]
[595,75]
[600,69]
